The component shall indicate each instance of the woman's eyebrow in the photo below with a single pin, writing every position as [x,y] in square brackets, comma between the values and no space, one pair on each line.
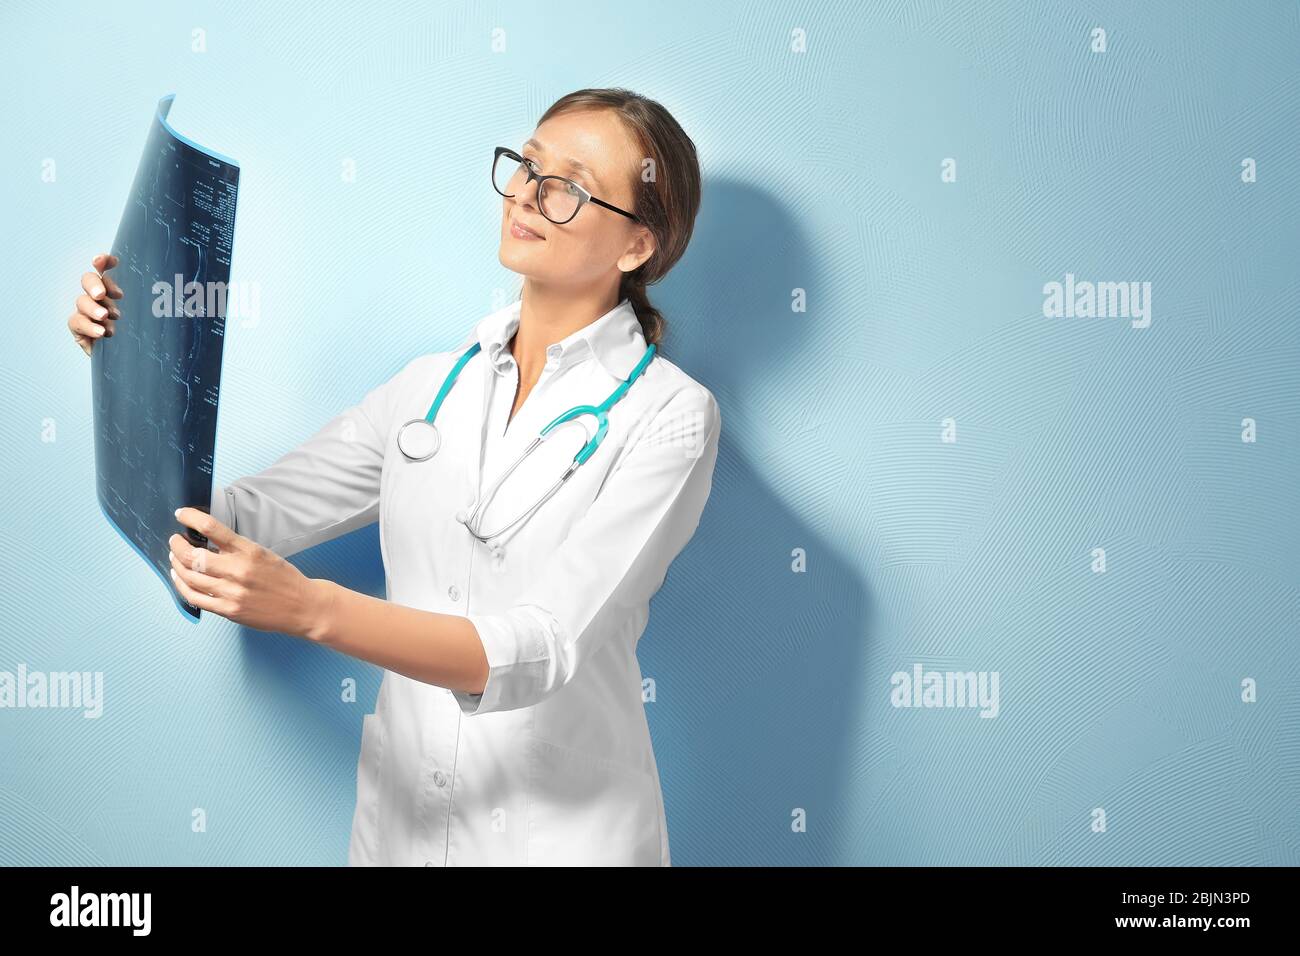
[574,164]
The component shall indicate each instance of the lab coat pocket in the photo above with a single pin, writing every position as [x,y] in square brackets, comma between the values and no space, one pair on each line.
[364,849]
[584,810]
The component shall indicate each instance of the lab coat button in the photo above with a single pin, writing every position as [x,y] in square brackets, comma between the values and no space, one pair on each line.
[439,778]
[453,592]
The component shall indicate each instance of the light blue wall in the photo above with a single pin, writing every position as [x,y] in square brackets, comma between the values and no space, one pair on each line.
[1118,690]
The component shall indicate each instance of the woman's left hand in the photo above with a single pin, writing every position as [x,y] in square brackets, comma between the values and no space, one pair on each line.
[245,582]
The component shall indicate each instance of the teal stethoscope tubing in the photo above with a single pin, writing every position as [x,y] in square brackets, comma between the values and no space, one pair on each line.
[409,444]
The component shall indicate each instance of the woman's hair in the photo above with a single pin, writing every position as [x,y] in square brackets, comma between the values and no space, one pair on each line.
[666,202]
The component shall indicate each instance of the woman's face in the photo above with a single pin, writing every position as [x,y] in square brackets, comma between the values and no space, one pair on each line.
[597,244]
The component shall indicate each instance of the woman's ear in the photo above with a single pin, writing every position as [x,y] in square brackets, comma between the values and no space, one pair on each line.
[641,248]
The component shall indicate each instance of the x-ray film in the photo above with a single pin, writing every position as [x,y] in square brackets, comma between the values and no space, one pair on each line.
[156,381]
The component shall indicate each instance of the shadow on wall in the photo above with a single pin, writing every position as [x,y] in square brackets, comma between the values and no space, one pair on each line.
[757,669]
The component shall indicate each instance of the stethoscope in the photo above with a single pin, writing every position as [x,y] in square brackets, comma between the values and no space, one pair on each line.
[419,439]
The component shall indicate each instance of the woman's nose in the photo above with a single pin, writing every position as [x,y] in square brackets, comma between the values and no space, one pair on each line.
[527,193]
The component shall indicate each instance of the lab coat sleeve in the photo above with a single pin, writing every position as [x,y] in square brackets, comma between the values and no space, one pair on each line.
[323,488]
[597,586]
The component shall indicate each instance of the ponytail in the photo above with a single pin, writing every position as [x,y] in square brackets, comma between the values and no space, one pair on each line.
[653,324]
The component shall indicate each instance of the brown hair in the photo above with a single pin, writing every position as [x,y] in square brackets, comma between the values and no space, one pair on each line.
[667,204]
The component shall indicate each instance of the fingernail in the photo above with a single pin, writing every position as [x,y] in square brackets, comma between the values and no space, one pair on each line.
[178,512]
[99,330]
[100,313]
[99,290]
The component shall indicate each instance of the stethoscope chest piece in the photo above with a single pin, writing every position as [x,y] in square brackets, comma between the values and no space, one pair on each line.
[419,439]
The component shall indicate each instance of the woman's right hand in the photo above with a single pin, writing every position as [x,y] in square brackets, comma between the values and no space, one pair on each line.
[96,315]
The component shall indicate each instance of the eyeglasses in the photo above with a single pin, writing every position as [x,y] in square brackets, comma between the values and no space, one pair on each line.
[558,199]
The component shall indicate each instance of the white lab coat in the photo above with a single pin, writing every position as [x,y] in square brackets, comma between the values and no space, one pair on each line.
[552,763]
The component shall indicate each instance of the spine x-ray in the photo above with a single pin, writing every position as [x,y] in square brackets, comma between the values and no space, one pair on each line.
[156,382]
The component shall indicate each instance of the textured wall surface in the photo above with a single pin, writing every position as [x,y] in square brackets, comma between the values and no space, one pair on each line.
[922,469]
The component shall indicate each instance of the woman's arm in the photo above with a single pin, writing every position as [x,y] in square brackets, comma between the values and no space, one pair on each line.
[442,649]
[254,586]
[596,588]
[325,487]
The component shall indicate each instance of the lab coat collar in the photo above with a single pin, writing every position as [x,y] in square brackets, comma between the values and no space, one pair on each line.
[615,339]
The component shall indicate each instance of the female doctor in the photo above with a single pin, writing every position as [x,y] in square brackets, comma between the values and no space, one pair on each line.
[532,487]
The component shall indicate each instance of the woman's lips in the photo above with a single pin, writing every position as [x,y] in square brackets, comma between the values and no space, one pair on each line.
[520,232]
